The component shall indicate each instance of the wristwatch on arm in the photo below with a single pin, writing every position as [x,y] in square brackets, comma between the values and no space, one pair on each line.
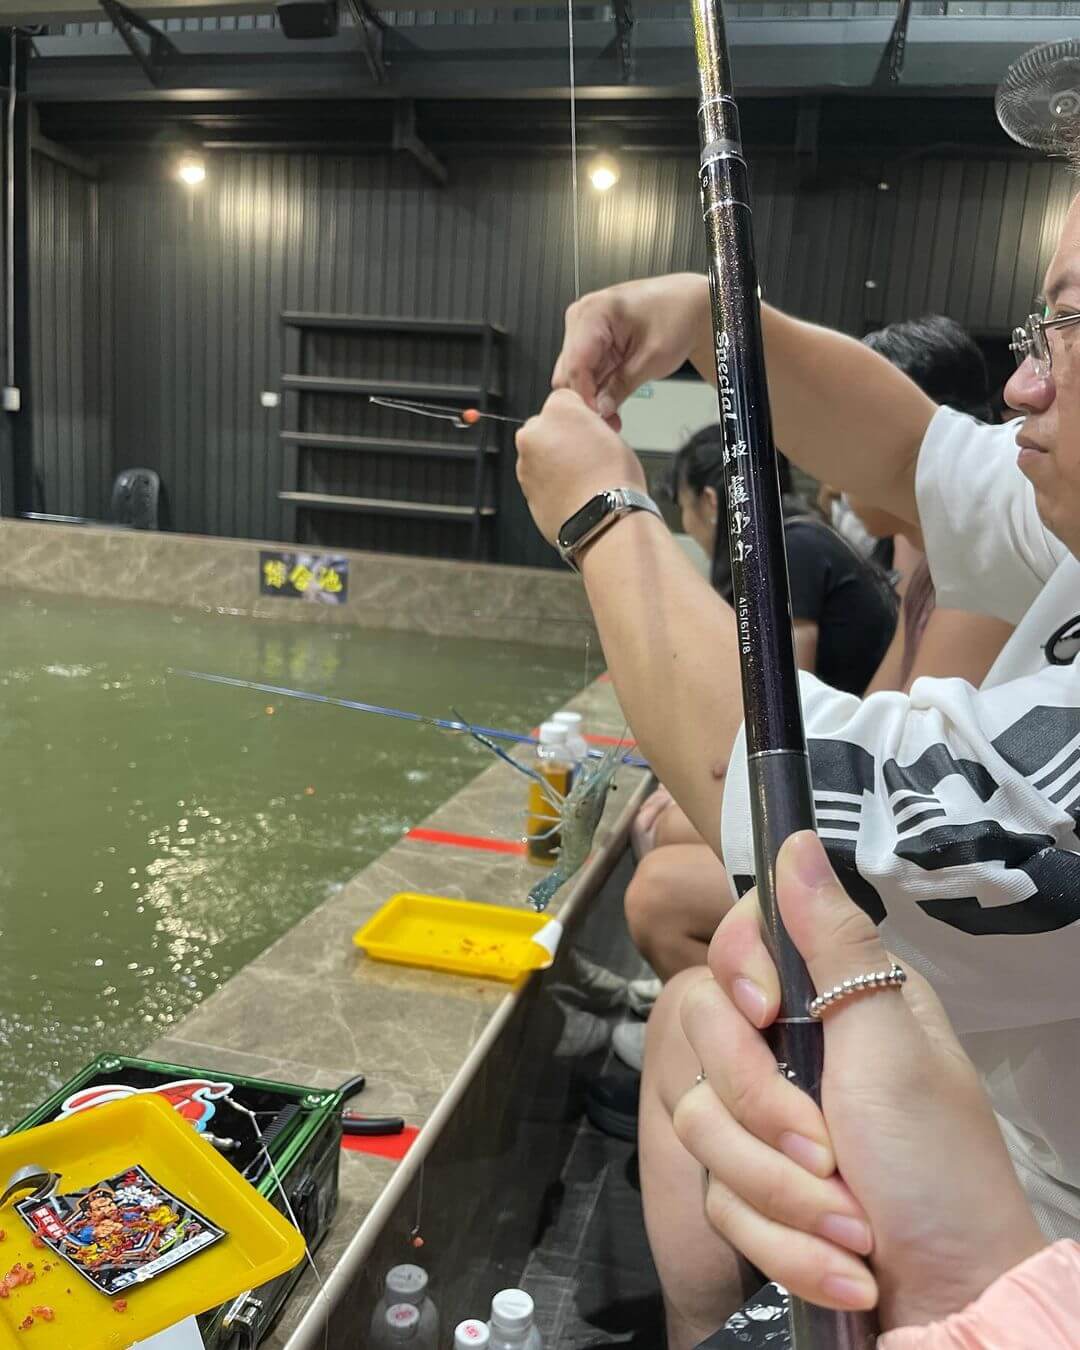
[596,516]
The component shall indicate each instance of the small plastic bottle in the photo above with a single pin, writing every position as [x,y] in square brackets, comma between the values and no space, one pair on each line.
[402,1322]
[553,763]
[406,1284]
[471,1335]
[511,1325]
[576,743]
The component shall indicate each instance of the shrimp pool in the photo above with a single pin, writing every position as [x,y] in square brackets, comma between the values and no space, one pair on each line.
[157,833]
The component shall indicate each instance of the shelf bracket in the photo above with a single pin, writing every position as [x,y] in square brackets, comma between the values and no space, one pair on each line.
[408,139]
[624,39]
[157,55]
[891,65]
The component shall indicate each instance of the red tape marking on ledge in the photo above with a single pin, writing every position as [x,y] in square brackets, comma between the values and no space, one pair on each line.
[384,1145]
[475,841]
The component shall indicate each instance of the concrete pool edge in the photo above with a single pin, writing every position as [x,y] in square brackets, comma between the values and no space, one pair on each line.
[215,575]
[430,1033]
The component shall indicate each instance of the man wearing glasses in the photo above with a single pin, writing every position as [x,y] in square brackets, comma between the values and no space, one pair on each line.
[951,814]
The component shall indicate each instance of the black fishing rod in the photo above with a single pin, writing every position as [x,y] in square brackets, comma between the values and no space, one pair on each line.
[779,767]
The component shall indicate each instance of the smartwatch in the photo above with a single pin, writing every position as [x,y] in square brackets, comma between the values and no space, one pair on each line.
[596,516]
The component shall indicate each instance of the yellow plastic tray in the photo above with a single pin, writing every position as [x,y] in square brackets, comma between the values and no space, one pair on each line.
[259,1243]
[461,936]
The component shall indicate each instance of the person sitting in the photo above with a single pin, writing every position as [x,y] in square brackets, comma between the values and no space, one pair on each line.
[951,814]
[898,1193]
[842,607]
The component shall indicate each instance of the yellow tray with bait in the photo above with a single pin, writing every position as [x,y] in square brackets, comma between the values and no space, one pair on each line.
[85,1148]
[464,937]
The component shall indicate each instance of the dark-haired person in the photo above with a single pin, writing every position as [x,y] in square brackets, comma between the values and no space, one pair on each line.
[951,814]
[842,606]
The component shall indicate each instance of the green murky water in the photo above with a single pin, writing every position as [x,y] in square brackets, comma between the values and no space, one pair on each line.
[156,833]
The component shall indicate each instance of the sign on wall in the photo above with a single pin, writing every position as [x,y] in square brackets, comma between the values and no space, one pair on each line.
[322,578]
[662,415]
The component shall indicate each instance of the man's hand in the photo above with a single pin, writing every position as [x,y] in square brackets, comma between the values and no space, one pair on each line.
[618,338]
[567,455]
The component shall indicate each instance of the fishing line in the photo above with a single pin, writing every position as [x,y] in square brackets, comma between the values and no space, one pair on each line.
[253,1117]
[461,418]
[354,705]
[574,152]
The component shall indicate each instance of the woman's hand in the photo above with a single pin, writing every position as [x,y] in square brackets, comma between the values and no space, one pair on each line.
[904,1122]
[567,455]
[618,338]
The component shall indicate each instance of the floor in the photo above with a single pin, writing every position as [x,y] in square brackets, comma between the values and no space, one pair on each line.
[591,1273]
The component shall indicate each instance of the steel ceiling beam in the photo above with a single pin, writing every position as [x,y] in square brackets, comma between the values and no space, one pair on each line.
[960,56]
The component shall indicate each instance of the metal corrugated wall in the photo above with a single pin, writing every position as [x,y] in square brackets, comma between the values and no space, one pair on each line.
[198,284]
[72,345]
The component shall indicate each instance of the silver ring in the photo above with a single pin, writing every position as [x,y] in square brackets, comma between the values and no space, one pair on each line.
[700,1078]
[892,978]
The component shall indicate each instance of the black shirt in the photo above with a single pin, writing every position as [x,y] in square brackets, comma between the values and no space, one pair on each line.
[849,599]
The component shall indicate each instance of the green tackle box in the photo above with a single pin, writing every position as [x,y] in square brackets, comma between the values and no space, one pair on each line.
[302,1132]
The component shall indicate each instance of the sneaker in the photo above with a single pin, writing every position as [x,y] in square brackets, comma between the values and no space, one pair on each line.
[589,986]
[628,1042]
[611,1103]
[642,994]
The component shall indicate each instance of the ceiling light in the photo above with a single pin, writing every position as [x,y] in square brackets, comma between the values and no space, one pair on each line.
[603,172]
[191,169]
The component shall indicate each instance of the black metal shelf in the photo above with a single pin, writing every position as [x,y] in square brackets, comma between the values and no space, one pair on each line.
[482,354]
[368,323]
[317,440]
[465,394]
[384,506]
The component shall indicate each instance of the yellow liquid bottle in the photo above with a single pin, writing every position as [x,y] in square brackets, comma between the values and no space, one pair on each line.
[553,763]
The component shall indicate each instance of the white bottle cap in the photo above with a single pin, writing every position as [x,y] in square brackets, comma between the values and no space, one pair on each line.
[571,721]
[471,1333]
[552,733]
[512,1310]
[402,1321]
[406,1284]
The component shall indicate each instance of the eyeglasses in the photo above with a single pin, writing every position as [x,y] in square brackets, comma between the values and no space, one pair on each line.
[1031,340]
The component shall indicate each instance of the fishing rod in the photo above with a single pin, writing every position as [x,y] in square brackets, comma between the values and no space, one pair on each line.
[462,418]
[444,723]
[777,761]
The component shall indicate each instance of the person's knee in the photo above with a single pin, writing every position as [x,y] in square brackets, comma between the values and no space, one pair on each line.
[643,901]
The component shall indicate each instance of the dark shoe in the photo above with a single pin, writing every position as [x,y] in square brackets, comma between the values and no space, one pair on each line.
[611,1103]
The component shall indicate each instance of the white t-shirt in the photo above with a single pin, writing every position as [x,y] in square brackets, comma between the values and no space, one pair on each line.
[953,814]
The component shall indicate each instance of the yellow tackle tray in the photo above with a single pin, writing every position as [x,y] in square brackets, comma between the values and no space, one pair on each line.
[85,1148]
[461,936]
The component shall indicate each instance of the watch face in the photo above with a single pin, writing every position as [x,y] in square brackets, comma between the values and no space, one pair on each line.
[581,522]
